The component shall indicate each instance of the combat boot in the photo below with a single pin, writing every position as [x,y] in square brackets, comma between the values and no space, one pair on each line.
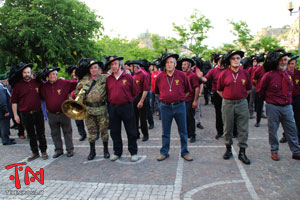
[243,157]
[92,151]
[105,150]
[228,152]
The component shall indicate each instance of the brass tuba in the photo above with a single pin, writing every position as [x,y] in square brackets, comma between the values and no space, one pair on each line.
[75,109]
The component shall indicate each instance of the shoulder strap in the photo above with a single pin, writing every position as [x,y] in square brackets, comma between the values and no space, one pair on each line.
[92,85]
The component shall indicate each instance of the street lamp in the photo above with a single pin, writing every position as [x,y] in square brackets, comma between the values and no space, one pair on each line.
[290,6]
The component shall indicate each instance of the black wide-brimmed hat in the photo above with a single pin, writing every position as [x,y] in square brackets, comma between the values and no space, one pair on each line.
[82,67]
[110,59]
[15,73]
[70,69]
[165,56]
[180,61]
[22,66]
[293,58]
[50,69]
[273,58]
[135,62]
[93,62]
[229,55]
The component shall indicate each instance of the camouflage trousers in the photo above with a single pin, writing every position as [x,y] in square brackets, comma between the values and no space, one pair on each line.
[95,123]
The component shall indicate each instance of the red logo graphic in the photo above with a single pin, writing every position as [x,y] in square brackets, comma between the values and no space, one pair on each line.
[28,170]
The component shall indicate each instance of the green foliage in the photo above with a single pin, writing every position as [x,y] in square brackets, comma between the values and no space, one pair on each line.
[130,50]
[47,32]
[244,38]
[193,34]
[161,45]
[265,44]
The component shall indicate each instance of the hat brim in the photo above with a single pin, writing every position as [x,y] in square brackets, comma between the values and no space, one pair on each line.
[294,58]
[187,59]
[100,64]
[52,70]
[25,66]
[108,63]
[163,61]
[240,53]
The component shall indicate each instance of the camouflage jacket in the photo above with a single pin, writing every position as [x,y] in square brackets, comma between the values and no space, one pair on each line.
[97,95]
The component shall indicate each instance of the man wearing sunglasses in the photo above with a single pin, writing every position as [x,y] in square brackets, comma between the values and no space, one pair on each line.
[234,85]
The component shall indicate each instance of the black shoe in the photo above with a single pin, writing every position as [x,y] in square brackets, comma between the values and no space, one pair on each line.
[218,136]
[82,137]
[234,136]
[105,150]
[243,157]
[151,126]
[10,142]
[70,154]
[257,124]
[56,155]
[200,126]
[283,139]
[98,134]
[145,138]
[193,139]
[228,153]
[92,151]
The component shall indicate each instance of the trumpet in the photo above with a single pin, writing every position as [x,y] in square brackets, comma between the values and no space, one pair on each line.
[75,109]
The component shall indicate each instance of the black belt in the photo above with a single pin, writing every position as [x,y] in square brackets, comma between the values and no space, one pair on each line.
[31,112]
[233,101]
[121,104]
[281,105]
[98,104]
[172,103]
[55,113]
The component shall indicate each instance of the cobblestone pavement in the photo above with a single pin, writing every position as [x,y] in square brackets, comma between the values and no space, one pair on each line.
[207,177]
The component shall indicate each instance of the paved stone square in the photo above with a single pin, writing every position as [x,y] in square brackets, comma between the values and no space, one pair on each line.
[207,177]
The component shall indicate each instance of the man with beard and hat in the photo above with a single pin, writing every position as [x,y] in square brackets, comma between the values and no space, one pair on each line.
[277,90]
[191,100]
[25,97]
[71,69]
[213,75]
[5,111]
[93,83]
[172,85]
[234,85]
[292,63]
[140,102]
[121,89]
[55,91]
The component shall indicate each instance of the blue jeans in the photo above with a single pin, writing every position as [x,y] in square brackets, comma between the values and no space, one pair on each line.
[285,115]
[168,112]
[4,129]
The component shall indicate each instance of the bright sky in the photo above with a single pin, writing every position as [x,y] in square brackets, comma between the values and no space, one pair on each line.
[129,18]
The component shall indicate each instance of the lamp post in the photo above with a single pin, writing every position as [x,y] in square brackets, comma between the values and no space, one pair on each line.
[290,6]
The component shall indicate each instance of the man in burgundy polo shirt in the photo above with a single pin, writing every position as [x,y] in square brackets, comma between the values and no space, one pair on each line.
[191,100]
[121,89]
[277,90]
[140,102]
[25,98]
[213,75]
[172,86]
[55,91]
[234,85]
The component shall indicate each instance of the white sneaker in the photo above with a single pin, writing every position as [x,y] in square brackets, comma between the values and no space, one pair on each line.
[134,158]
[114,157]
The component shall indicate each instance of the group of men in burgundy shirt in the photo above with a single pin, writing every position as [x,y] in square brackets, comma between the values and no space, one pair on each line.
[178,92]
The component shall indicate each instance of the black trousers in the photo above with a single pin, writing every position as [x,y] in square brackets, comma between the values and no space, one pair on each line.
[35,127]
[80,127]
[117,114]
[296,109]
[217,100]
[190,119]
[141,115]
[259,107]
[149,110]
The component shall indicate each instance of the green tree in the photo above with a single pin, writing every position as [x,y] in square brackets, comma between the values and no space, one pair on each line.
[265,44]
[161,45]
[244,37]
[130,50]
[194,33]
[43,32]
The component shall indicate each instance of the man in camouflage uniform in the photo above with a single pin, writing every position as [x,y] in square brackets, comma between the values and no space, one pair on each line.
[93,84]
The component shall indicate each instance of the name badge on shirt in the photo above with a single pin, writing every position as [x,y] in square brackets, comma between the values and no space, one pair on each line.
[243,81]
[124,82]
[59,92]
[37,90]
[177,82]
[137,81]
[297,81]
[290,77]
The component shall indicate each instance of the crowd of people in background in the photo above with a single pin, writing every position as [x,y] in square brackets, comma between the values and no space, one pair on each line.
[170,87]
